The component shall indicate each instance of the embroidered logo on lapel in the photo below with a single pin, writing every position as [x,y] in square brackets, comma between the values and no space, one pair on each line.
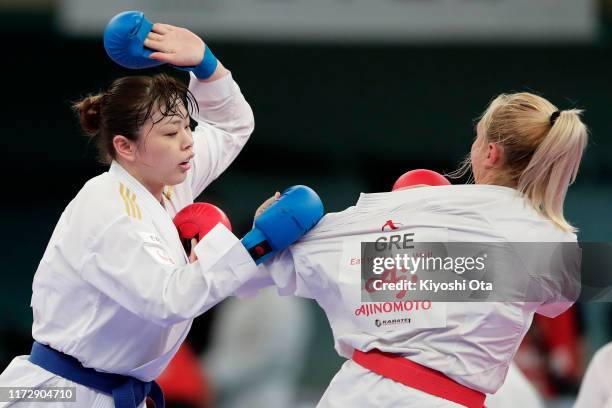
[168,192]
[129,199]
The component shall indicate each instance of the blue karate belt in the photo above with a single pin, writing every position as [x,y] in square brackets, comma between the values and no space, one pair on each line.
[127,392]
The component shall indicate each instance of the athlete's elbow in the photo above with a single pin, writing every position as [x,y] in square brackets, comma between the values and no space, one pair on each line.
[247,123]
[168,312]
[164,316]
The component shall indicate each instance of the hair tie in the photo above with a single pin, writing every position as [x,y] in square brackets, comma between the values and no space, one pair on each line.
[553,117]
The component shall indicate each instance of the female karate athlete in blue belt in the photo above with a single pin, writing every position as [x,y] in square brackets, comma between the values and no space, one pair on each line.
[115,293]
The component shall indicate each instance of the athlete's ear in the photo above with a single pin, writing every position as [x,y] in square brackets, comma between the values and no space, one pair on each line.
[124,148]
[495,156]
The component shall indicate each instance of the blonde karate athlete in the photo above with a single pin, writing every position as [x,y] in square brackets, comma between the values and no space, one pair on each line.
[525,155]
[115,291]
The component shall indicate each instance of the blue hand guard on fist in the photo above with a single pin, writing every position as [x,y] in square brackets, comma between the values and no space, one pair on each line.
[297,210]
[124,38]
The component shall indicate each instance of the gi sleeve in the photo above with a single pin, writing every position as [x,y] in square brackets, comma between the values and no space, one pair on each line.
[282,271]
[560,285]
[225,123]
[138,273]
[595,389]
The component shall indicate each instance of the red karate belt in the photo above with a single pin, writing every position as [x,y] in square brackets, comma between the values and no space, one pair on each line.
[411,374]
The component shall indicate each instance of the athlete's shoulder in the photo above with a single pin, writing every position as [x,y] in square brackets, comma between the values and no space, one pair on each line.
[332,221]
[472,196]
[104,198]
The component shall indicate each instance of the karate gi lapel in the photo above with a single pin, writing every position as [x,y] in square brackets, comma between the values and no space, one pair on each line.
[158,216]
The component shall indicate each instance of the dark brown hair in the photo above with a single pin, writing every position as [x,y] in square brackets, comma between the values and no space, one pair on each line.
[126,105]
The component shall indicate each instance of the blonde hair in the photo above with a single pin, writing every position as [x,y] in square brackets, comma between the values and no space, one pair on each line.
[542,149]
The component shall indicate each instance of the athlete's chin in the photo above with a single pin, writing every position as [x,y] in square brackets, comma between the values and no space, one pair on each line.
[176,178]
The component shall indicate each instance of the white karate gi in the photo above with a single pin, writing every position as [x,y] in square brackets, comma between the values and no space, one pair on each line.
[472,343]
[114,288]
[596,387]
[516,391]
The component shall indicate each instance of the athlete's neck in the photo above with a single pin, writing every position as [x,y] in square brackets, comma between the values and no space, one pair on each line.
[154,187]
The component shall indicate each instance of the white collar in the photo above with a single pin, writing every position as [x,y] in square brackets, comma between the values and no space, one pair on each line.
[375,200]
[159,216]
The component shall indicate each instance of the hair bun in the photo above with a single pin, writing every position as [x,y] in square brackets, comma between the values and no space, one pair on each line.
[88,110]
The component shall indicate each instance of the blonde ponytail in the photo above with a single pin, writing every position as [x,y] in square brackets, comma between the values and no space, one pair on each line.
[554,166]
[542,149]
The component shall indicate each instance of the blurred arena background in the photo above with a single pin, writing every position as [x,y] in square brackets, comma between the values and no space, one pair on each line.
[347,95]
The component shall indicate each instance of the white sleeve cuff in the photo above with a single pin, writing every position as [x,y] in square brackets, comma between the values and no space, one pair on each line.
[216,90]
[219,245]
